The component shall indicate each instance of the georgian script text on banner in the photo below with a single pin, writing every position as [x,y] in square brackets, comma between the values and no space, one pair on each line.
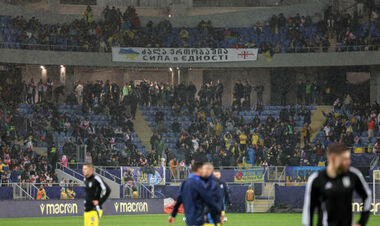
[252,175]
[182,55]
[298,175]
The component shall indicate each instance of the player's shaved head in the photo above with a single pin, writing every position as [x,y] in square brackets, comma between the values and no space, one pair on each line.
[88,169]
[90,165]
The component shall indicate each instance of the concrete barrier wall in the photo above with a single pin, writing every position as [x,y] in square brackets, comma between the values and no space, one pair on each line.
[291,60]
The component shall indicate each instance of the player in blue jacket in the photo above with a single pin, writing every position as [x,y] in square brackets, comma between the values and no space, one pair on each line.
[195,197]
[220,193]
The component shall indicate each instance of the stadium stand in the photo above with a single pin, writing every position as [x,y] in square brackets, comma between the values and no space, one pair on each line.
[185,128]
[267,128]
[278,35]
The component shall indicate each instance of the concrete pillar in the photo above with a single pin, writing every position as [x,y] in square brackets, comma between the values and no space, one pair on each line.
[375,86]
[183,75]
[196,77]
[179,7]
[67,73]
[44,74]
[53,5]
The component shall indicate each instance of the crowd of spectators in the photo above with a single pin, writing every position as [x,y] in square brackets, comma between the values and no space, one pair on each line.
[215,133]
[242,95]
[279,34]
[228,140]
[354,124]
[314,92]
[80,35]
[18,161]
[44,122]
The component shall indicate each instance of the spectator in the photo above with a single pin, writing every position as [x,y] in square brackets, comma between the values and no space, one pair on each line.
[31,92]
[376,147]
[182,168]
[306,133]
[176,126]
[70,193]
[88,15]
[63,194]
[14,175]
[173,163]
[327,130]
[360,7]
[41,194]
[243,141]
[371,127]
[40,91]
[300,92]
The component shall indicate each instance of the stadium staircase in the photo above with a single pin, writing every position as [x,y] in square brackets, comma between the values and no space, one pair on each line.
[266,200]
[347,6]
[317,120]
[39,150]
[69,174]
[76,175]
[143,130]
[333,44]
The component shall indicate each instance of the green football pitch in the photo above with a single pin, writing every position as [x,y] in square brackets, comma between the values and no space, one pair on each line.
[161,220]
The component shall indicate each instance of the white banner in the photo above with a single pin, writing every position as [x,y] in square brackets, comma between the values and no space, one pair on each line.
[182,55]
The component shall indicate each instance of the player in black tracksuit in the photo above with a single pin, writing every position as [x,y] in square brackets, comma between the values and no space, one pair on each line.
[97,193]
[330,191]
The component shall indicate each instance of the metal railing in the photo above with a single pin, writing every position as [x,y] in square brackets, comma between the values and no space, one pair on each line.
[78,2]
[271,173]
[275,173]
[70,171]
[145,190]
[134,186]
[178,175]
[374,162]
[34,190]
[23,190]
[99,170]
[20,191]
[228,3]
[45,184]
[76,165]
[71,48]
[48,47]
[29,191]
[281,178]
